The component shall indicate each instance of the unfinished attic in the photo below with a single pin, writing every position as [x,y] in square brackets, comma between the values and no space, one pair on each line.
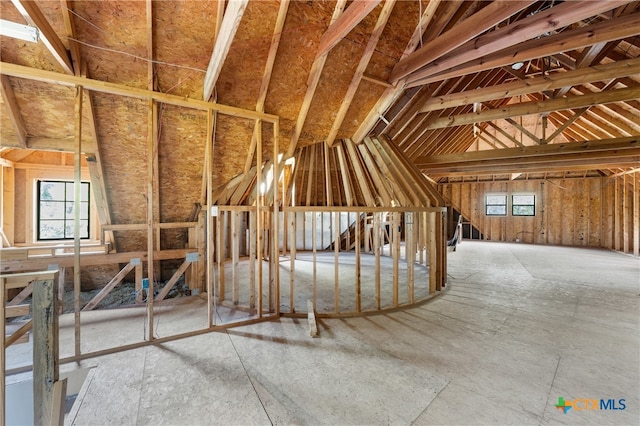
[210,165]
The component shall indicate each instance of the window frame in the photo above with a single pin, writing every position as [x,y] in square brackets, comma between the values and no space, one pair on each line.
[65,220]
[514,205]
[487,205]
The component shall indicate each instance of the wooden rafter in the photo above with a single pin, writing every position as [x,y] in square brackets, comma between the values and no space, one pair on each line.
[362,66]
[13,111]
[511,35]
[30,11]
[266,79]
[476,24]
[588,35]
[391,93]
[527,108]
[355,13]
[230,23]
[591,154]
[124,90]
[312,84]
[533,85]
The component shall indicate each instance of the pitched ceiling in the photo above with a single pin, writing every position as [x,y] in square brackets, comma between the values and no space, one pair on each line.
[437,77]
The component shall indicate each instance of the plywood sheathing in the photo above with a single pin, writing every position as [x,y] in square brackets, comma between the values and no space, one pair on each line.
[303,28]
[390,47]
[122,131]
[8,136]
[50,108]
[180,166]
[115,31]
[21,52]
[183,36]
[241,76]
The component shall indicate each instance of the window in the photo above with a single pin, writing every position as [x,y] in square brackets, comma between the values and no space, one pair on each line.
[496,205]
[55,210]
[523,205]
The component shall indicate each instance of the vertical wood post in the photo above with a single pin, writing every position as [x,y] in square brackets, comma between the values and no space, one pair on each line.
[314,241]
[45,348]
[376,249]
[3,361]
[359,218]
[336,263]
[252,259]
[235,254]
[395,247]
[410,251]
[151,154]
[636,214]
[292,259]
[433,248]
[276,214]
[76,217]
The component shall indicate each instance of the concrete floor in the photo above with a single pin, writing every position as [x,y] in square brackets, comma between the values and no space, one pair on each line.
[518,327]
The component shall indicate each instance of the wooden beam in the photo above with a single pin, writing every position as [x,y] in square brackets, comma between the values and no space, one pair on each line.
[266,79]
[481,21]
[630,143]
[517,32]
[30,11]
[13,111]
[230,24]
[504,133]
[620,152]
[312,84]
[45,347]
[173,280]
[527,108]
[124,90]
[613,29]
[362,66]
[391,93]
[110,286]
[532,85]
[355,13]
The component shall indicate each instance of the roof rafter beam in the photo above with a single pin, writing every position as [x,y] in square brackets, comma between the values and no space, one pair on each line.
[527,108]
[362,66]
[627,146]
[312,84]
[536,84]
[230,23]
[520,31]
[266,79]
[355,13]
[13,111]
[471,27]
[30,11]
[391,93]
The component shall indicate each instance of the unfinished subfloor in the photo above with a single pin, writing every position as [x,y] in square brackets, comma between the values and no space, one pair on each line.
[518,327]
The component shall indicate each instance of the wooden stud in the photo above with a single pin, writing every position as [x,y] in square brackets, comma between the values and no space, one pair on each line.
[410,252]
[336,262]
[235,256]
[395,247]
[636,213]
[152,136]
[377,236]
[76,217]
[45,347]
[314,243]
[360,218]
[3,362]
[292,259]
